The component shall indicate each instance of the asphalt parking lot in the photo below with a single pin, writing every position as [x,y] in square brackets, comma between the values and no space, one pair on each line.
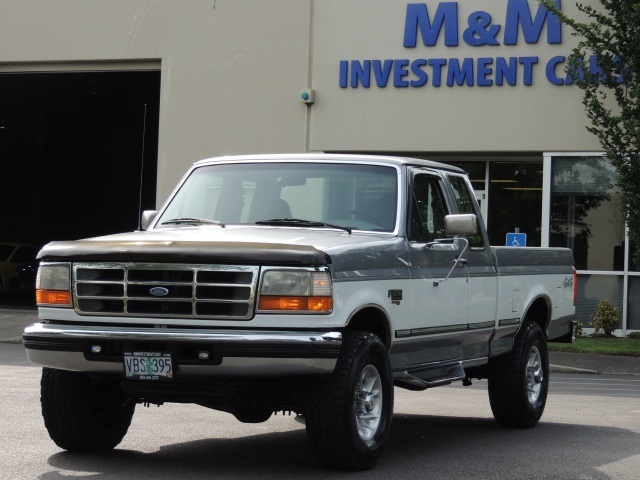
[589,431]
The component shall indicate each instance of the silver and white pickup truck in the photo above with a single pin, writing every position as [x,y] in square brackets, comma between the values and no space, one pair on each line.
[306,283]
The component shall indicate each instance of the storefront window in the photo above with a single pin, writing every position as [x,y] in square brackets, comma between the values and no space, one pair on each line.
[592,289]
[585,212]
[632,266]
[633,315]
[515,201]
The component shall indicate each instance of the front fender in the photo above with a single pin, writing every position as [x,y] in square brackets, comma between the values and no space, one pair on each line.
[352,297]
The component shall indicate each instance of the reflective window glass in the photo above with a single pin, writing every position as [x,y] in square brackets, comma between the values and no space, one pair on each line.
[633,315]
[359,196]
[592,289]
[585,212]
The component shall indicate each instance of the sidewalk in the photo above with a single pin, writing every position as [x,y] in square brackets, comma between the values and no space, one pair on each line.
[13,321]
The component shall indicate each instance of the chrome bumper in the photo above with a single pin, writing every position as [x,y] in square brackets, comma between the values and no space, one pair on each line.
[230,352]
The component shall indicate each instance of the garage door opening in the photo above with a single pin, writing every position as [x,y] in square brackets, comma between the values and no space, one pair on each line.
[78,158]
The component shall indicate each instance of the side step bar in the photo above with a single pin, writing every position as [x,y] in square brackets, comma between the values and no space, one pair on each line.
[428,376]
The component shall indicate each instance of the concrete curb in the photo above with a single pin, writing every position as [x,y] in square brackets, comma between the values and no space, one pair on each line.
[565,369]
[594,363]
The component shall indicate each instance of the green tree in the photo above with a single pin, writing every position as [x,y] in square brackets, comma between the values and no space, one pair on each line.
[605,65]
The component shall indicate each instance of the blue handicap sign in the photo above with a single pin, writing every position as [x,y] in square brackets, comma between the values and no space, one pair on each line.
[516,239]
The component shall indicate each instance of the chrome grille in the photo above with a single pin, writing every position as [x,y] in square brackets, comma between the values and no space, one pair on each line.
[165,290]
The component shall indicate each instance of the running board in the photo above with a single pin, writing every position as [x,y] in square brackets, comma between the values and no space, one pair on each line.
[429,376]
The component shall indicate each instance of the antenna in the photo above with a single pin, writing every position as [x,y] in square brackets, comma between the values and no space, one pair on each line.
[144,131]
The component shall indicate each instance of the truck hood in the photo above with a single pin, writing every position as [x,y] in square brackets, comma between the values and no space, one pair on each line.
[232,244]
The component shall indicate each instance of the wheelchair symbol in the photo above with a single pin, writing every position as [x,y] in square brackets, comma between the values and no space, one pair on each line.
[516,240]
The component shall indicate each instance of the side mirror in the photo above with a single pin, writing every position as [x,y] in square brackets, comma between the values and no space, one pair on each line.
[147,218]
[466,224]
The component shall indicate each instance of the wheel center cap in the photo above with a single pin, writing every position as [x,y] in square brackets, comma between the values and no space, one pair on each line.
[367,402]
[538,376]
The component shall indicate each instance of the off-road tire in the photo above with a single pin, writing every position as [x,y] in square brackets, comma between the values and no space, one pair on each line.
[519,380]
[347,427]
[84,413]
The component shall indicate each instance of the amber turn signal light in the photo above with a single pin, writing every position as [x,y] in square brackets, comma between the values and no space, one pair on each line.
[310,304]
[53,297]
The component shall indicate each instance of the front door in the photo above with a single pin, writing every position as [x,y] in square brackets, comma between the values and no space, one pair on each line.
[439,308]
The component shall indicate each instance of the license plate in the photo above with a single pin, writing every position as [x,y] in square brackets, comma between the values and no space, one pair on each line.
[148,366]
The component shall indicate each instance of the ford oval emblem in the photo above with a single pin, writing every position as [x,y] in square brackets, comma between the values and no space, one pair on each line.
[159,291]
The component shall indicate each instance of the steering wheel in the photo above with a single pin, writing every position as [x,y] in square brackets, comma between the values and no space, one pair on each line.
[367,216]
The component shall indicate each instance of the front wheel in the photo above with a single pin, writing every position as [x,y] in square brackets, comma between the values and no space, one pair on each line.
[84,413]
[348,416]
[519,380]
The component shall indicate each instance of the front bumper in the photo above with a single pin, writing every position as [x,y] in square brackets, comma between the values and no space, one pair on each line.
[231,353]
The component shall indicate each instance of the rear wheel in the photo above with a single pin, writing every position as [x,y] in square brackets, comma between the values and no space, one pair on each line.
[349,414]
[84,413]
[519,380]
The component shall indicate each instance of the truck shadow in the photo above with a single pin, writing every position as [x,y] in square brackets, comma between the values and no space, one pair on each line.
[420,446]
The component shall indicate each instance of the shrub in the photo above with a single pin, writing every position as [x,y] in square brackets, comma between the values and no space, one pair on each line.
[579,327]
[606,317]
[634,335]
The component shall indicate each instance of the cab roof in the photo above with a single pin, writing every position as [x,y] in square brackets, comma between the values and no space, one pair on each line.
[332,157]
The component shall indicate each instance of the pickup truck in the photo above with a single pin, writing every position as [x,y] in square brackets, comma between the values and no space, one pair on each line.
[310,284]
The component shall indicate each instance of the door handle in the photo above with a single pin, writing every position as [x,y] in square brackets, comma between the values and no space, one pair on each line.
[462,262]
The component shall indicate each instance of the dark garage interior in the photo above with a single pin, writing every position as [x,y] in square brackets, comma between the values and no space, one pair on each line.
[78,158]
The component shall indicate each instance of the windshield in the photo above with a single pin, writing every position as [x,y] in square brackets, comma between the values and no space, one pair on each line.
[357,196]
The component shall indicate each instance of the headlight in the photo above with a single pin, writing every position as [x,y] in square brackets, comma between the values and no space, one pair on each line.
[53,285]
[296,291]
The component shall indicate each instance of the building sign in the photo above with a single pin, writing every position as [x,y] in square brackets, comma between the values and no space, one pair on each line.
[442,23]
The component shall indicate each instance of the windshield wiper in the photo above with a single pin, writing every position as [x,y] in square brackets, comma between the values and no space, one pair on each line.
[192,221]
[299,222]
